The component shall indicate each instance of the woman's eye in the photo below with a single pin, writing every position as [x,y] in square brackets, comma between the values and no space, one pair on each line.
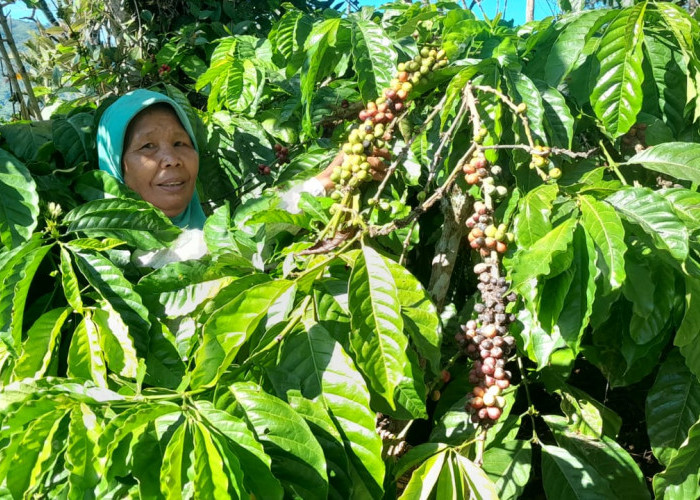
[148,145]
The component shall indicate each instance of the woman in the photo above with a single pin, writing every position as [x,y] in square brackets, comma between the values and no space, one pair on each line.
[145,140]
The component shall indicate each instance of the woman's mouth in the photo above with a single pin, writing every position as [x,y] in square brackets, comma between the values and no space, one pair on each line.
[171,185]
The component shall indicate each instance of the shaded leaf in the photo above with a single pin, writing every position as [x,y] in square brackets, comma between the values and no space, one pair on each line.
[672,407]
[508,466]
[681,479]
[38,349]
[565,477]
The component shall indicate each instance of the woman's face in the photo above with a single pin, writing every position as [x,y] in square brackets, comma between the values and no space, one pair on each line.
[159,160]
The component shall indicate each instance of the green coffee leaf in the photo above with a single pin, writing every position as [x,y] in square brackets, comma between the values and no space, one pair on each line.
[38,349]
[570,45]
[137,222]
[173,472]
[110,283]
[374,58]
[565,477]
[85,356]
[297,459]
[558,122]
[578,303]
[616,467]
[130,420]
[17,271]
[33,455]
[686,205]
[254,462]
[532,221]
[229,327]
[316,415]
[98,185]
[19,201]
[530,263]
[677,159]
[323,36]
[479,483]
[672,407]
[654,215]
[681,479]
[603,224]
[377,340]
[314,363]
[508,466]
[117,345]
[73,138]
[524,90]
[424,478]
[82,462]
[617,94]
[451,482]
[420,316]
[210,480]
[71,287]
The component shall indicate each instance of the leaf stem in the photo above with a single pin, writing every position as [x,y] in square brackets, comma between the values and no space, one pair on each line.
[612,163]
[531,408]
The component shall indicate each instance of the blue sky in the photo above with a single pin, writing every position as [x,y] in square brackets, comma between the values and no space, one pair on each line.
[515,9]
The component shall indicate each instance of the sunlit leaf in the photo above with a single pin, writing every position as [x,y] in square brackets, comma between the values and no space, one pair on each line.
[617,94]
[19,201]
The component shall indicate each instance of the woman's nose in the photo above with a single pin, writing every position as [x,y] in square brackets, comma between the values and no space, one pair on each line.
[169,156]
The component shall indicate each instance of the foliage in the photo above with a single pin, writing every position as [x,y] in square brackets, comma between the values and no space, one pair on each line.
[288,364]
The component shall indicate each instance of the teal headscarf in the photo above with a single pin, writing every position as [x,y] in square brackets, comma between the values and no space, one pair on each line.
[110,143]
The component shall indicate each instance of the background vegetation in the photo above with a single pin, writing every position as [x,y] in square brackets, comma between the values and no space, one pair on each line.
[327,353]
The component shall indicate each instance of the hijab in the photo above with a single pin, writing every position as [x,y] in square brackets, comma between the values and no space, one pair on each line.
[110,143]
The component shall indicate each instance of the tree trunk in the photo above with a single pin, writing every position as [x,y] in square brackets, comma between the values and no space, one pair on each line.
[455,208]
[44,7]
[530,11]
[14,84]
[33,103]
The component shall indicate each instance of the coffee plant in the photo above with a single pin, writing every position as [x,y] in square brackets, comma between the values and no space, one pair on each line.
[500,297]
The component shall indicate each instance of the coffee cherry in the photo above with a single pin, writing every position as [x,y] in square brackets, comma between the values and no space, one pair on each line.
[521,108]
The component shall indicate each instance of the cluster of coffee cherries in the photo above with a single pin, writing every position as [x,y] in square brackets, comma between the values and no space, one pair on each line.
[540,159]
[479,171]
[485,236]
[164,69]
[486,341]
[429,59]
[635,138]
[375,131]
[282,153]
